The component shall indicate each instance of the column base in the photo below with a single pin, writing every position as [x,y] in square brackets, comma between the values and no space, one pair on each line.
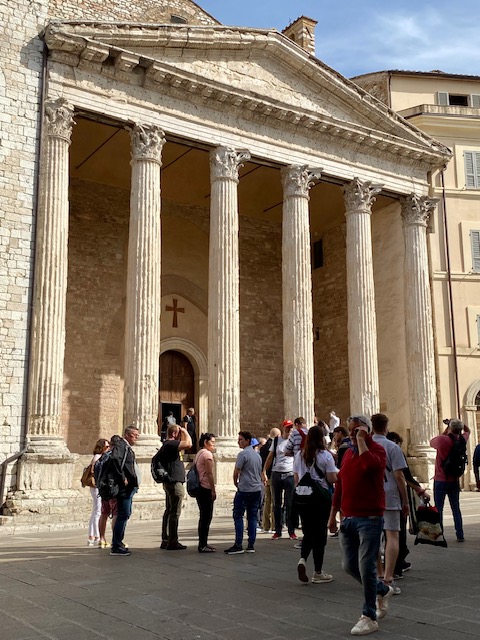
[421,461]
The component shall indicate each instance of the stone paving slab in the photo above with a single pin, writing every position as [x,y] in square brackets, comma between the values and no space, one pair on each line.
[53,587]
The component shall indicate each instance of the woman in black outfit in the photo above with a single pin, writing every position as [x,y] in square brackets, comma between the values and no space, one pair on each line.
[206,495]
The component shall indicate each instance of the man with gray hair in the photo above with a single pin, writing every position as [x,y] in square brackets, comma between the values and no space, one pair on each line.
[450,463]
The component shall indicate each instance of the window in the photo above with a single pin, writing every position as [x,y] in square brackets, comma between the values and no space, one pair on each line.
[458,100]
[178,20]
[318,254]
[475,239]
[472,169]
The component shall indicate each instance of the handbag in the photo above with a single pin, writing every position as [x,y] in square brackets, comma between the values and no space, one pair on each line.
[429,528]
[88,479]
[193,481]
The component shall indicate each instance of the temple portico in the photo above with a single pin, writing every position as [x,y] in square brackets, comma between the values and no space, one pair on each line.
[202,244]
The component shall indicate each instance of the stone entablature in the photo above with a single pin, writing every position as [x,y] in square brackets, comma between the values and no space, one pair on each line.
[103,49]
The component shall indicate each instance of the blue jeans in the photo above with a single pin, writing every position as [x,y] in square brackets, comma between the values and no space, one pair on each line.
[441,489]
[248,501]
[360,540]
[124,511]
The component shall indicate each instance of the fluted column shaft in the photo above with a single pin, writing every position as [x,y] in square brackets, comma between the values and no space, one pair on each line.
[298,367]
[223,294]
[48,330]
[419,325]
[142,330]
[362,326]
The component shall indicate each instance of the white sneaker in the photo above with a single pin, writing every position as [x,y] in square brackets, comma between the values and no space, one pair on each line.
[319,577]
[383,602]
[364,626]
[302,570]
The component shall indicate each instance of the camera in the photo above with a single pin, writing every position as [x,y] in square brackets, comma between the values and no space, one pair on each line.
[447,421]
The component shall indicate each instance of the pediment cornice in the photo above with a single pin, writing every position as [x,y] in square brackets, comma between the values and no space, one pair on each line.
[109,49]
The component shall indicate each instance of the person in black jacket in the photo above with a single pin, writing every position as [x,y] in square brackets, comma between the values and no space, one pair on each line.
[123,460]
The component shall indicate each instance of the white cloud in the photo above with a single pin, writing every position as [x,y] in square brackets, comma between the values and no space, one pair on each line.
[421,41]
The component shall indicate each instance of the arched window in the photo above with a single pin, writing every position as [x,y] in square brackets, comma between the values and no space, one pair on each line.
[177,19]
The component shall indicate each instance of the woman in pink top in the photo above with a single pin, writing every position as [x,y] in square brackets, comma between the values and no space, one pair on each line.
[206,495]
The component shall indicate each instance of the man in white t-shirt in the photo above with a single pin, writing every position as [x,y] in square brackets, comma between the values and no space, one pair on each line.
[282,481]
[396,500]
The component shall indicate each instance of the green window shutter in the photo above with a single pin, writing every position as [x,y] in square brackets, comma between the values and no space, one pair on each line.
[442,98]
[475,238]
[475,100]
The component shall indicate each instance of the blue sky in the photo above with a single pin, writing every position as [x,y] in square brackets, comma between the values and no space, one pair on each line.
[355,36]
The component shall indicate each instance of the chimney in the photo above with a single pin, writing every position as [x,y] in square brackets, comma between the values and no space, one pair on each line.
[302,31]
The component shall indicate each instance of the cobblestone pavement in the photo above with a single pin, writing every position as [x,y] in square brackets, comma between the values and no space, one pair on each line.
[52,586]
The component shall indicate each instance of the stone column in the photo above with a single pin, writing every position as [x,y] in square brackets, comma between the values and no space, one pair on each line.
[223,298]
[48,325]
[419,326]
[298,368]
[362,326]
[142,324]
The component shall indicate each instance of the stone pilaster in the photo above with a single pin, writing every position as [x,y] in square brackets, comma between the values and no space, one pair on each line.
[223,299]
[419,326]
[362,328]
[48,327]
[298,368]
[142,324]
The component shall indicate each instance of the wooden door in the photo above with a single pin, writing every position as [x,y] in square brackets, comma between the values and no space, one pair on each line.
[177,383]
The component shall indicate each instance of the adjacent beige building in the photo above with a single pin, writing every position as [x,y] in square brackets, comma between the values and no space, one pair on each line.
[199,215]
[447,107]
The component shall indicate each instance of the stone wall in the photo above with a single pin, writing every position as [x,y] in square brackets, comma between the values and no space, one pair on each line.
[154,11]
[20,90]
[261,350]
[330,329]
[98,237]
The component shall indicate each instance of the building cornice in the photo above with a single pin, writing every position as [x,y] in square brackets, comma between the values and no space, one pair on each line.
[102,47]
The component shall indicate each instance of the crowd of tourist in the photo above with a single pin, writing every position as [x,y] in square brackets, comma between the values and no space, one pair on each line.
[350,479]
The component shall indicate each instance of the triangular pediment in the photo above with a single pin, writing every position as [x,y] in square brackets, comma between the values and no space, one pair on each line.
[260,70]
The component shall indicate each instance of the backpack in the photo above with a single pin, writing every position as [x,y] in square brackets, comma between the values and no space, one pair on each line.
[193,482]
[88,479]
[108,485]
[456,461]
[159,473]
[97,469]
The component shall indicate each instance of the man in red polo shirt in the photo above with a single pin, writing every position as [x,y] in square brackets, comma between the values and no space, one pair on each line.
[360,496]
[444,484]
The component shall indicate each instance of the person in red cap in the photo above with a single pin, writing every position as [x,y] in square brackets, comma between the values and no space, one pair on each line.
[281,480]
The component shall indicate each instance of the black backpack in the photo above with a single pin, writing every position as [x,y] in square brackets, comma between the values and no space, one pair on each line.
[456,461]
[108,481]
[98,466]
[159,473]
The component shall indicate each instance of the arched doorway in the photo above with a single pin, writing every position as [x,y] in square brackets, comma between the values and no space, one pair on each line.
[471,416]
[177,386]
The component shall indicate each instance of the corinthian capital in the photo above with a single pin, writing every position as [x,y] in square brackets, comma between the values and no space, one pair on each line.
[417,209]
[59,119]
[297,180]
[360,195]
[225,162]
[147,142]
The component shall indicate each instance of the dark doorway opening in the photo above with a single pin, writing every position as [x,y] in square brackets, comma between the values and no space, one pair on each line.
[177,386]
